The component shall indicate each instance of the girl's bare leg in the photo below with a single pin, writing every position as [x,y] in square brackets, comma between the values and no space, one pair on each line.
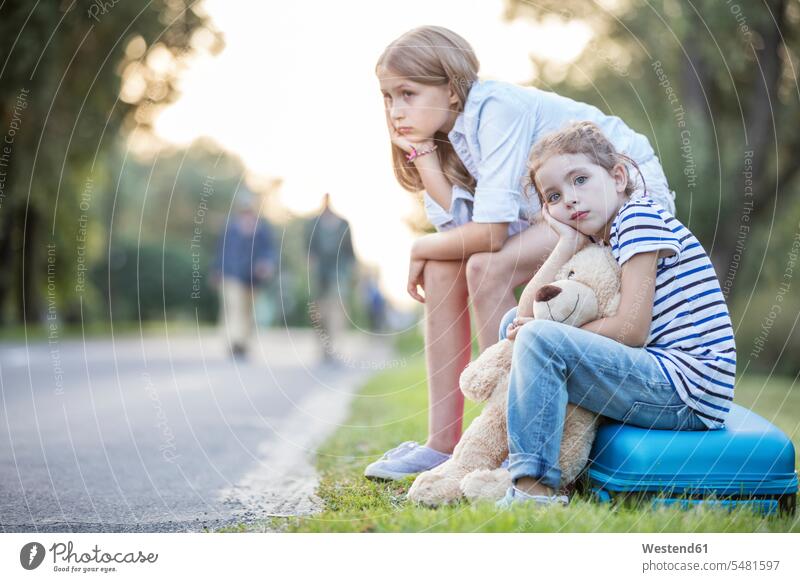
[489,280]
[492,277]
[447,350]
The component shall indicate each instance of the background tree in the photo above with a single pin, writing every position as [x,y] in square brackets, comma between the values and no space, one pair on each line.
[72,75]
[713,84]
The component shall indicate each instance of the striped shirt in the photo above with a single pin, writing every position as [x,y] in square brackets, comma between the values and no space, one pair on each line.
[691,336]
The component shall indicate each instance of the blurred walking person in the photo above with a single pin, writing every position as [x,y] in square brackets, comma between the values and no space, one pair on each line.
[246,259]
[331,259]
[375,303]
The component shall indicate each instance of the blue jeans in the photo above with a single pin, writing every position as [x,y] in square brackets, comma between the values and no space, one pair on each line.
[553,364]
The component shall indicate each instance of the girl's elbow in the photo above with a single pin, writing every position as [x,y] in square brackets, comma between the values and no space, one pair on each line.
[495,246]
[630,333]
[638,339]
[636,343]
[496,236]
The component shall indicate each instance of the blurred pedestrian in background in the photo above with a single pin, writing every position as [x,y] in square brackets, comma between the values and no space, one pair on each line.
[375,303]
[331,259]
[246,258]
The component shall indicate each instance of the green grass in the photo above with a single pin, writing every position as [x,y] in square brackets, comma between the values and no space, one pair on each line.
[392,407]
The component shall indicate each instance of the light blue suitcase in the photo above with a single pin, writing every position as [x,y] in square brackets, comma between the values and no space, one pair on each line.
[749,462]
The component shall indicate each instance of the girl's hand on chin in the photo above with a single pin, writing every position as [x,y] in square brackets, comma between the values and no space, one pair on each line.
[567,235]
[405,143]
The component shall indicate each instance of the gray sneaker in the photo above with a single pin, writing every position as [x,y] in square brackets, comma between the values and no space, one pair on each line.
[405,460]
[516,497]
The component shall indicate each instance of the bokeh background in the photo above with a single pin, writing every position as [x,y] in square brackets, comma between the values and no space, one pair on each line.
[115,115]
[130,133]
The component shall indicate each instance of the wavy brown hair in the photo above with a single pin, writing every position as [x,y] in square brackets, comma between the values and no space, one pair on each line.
[582,137]
[432,55]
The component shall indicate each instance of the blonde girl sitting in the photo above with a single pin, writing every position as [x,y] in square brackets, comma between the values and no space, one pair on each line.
[464,142]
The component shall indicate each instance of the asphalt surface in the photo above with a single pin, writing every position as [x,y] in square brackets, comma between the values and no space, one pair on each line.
[161,434]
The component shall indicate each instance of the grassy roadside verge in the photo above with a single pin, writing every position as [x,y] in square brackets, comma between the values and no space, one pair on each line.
[392,407]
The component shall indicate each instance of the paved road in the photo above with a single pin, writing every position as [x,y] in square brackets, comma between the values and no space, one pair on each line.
[166,433]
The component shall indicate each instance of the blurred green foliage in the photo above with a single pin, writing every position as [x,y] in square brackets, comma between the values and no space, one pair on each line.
[92,231]
[714,87]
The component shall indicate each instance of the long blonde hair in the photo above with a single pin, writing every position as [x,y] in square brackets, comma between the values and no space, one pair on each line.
[432,55]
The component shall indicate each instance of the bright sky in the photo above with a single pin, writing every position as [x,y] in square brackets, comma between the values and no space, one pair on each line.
[294,95]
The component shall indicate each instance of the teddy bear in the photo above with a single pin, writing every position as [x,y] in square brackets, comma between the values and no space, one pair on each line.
[586,288]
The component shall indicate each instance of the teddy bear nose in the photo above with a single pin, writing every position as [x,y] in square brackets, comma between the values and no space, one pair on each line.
[546,293]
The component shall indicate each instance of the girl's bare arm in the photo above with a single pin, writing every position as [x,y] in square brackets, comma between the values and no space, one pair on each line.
[457,243]
[570,241]
[562,253]
[436,183]
[631,324]
[461,242]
